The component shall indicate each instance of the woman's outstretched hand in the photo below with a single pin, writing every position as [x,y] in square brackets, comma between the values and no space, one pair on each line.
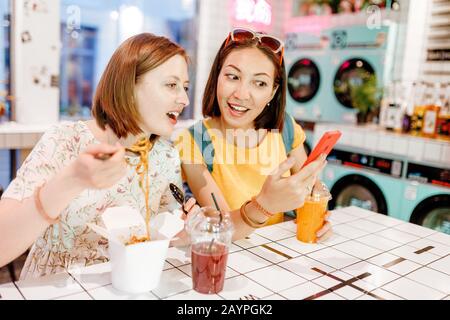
[281,194]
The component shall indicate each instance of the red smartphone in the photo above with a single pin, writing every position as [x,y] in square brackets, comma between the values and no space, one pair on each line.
[325,146]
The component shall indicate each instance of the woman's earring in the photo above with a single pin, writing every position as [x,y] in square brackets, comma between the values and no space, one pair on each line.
[268,104]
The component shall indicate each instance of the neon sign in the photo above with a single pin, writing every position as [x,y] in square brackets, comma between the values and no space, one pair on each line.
[253,11]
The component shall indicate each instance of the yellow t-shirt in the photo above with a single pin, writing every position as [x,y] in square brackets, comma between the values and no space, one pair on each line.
[239,172]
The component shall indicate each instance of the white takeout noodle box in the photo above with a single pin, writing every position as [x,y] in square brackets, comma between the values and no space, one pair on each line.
[137,268]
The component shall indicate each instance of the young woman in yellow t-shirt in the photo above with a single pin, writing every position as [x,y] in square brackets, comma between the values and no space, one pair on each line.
[240,151]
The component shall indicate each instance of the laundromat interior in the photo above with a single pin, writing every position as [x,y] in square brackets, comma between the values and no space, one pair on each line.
[376,70]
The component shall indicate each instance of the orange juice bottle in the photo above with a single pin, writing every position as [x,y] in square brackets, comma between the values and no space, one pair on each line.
[311,217]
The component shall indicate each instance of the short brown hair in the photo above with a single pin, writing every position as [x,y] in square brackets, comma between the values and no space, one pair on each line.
[273,115]
[114,102]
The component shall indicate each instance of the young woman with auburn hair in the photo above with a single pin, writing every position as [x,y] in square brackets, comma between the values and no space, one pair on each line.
[78,169]
[248,150]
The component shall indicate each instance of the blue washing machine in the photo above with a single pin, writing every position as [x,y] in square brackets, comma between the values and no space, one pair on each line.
[307,74]
[306,63]
[322,67]
[356,54]
[369,181]
[426,197]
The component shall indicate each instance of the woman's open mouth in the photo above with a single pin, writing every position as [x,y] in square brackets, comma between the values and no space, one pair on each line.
[237,110]
[173,116]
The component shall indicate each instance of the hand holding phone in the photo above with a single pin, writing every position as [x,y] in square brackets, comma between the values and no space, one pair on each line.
[324,146]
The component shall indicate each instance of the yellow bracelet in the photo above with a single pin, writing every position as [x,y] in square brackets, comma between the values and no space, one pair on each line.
[40,208]
[249,221]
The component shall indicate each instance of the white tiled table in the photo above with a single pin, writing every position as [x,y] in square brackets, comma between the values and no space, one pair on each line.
[369,256]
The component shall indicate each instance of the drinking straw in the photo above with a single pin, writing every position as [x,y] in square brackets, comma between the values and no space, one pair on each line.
[220,217]
[217,207]
[215,201]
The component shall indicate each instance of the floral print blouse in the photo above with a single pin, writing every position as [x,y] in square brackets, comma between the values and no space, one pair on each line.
[70,242]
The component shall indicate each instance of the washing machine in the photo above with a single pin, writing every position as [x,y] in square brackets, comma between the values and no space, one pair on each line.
[368,181]
[307,74]
[357,54]
[426,197]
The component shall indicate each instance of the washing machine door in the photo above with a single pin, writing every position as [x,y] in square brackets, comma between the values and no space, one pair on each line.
[352,75]
[357,190]
[433,213]
[303,80]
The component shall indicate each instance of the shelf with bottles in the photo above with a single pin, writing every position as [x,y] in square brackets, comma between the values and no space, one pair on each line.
[417,108]
[340,12]
[333,7]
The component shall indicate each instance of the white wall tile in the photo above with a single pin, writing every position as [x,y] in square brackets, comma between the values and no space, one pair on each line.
[415,149]
[432,151]
[399,145]
[358,139]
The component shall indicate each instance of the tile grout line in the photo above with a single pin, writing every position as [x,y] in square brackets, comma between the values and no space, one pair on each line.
[400,275]
[325,246]
[360,277]
[271,264]
[274,264]
[441,258]
[374,233]
[404,277]
[426,266]
[271,241]
[343,283]
[82,287]
[324,273]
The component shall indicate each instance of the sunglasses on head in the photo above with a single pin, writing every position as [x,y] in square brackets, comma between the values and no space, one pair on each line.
[242,35]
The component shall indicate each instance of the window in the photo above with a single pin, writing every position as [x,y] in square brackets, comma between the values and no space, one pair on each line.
[92,30]
[5,106]
[77,70]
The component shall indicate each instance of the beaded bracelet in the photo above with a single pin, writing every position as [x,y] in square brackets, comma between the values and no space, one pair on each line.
[249,221]
[40,208]
[261,208]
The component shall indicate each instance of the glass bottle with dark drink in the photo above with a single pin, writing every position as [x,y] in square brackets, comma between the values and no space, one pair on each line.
[409,108]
